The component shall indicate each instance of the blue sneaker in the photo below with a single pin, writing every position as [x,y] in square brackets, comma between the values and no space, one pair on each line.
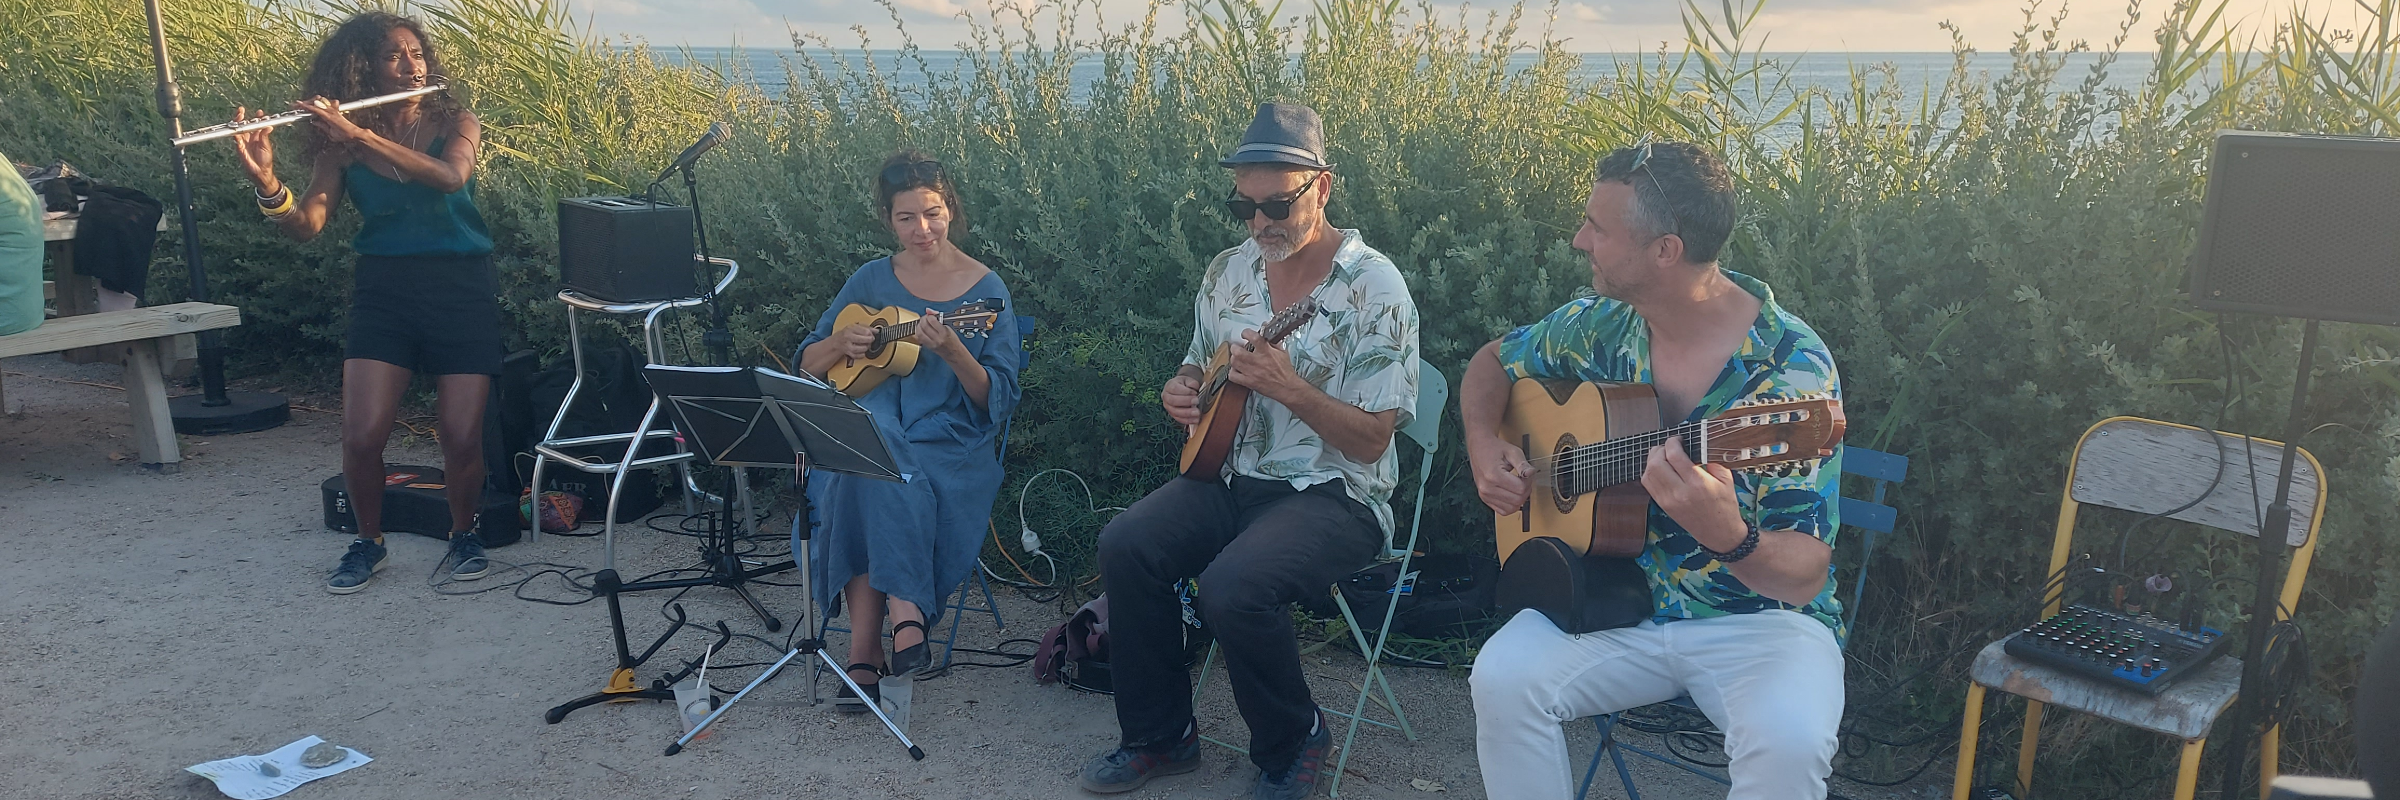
[358,566]
[465,561]
[1127,768]
[1301,779]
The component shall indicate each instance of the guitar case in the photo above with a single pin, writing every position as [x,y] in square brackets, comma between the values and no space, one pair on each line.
[413,502]
[1579,593]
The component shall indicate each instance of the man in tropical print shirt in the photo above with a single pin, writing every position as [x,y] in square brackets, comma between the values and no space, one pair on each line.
[1301,500]
[1739,565]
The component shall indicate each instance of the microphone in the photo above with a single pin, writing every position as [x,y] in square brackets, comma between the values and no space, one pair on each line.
[718,132]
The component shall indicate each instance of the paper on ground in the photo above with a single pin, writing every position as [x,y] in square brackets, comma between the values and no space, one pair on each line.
[238,777]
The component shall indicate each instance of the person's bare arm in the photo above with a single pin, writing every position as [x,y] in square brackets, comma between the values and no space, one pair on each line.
[1266,368]
[1788,566]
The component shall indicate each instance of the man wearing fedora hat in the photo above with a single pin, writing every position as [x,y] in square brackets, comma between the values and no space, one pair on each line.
[1301,500]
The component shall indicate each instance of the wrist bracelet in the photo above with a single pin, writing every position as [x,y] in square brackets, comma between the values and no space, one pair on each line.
[1739,552]
[282,203]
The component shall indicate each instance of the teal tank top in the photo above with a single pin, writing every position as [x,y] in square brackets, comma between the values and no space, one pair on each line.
[412,219]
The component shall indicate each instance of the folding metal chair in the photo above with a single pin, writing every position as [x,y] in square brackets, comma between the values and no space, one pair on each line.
[1433,395]
[2150,467]
[1869,517]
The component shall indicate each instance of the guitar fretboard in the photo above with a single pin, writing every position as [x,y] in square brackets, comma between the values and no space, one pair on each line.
[1592,467]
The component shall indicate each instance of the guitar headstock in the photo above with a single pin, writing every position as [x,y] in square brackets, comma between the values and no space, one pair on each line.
[1786,435]
[1289,319]
[976,318]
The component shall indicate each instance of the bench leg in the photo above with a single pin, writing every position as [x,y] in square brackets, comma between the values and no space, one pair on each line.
[146,394]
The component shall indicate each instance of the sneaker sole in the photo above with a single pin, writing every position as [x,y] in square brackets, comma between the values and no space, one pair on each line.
[468,576]
[1163,770]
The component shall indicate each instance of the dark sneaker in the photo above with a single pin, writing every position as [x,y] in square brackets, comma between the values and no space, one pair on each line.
[358,566]
[465,561]
[1126,768]
[1301,779]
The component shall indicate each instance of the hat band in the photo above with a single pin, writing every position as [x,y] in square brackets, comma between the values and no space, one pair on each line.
[1265,147]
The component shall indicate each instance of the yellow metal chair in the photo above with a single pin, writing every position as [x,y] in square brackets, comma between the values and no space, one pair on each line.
[2148,467]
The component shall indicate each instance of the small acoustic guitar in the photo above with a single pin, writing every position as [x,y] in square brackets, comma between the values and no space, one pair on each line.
[1222,400]
[892,353]
[1588,444]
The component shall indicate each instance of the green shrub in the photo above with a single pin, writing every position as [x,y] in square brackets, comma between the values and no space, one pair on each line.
[1997,265]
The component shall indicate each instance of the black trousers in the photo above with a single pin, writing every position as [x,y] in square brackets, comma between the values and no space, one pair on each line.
[1256,546]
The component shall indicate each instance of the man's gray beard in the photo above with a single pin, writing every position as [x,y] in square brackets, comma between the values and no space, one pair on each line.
[1277,253]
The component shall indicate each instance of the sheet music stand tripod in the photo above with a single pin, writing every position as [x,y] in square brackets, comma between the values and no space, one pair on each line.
[744,417]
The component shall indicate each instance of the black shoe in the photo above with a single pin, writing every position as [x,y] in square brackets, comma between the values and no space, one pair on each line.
[1128,768]
[914,657]
[358,566]
[848,702]
[1300,780]
[465,561]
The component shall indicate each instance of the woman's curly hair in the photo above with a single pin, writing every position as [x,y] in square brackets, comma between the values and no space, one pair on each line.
[345,69]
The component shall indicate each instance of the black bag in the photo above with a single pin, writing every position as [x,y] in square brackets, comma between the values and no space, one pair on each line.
[1579,594]
[1076,651]
[613,399]
[114,237]
[1446,596]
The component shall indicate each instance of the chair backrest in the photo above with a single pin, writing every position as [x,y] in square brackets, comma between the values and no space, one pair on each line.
[1433,395]
[2150,467]
[1870,517]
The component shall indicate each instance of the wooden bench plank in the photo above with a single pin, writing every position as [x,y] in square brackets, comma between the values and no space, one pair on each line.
[111,327]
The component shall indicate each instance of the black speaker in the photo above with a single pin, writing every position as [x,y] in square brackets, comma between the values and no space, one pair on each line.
[625,249]
[2301,226]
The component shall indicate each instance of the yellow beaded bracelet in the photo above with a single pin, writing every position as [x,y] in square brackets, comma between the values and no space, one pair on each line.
[286,200]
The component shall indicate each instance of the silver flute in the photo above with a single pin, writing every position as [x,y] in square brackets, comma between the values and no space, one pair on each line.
[231,128]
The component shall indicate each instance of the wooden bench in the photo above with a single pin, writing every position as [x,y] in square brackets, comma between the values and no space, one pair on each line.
[144,340]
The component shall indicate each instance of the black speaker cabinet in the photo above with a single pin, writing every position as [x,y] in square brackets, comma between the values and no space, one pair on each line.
[2301,226]
[625,249]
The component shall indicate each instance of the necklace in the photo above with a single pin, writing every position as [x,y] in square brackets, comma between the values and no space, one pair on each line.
[410,142]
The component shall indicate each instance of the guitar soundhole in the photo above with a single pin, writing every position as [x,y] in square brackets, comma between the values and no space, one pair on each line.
[1562,491]
[875,347]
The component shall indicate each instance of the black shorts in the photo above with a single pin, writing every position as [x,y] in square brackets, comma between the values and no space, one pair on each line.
[437,315]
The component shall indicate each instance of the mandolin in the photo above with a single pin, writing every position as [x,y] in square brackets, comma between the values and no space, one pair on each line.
[892,353]
[1222,400]
[1588,444]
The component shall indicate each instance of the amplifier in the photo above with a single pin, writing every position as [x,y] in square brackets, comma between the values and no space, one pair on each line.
[625,249]
[414,502]
[2301,226]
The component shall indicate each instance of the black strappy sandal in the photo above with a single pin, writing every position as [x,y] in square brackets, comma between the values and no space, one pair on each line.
[848,702]
[917,656]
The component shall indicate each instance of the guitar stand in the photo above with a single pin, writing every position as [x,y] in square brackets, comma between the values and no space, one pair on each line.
[621,688]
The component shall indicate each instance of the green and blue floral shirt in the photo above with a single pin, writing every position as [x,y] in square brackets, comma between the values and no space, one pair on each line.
[1601,340]
[1361,348]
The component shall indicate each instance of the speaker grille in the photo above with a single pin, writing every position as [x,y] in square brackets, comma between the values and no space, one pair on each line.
[2302,226]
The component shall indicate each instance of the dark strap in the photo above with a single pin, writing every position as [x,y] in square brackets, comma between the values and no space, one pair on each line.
[864,667]
[907,623]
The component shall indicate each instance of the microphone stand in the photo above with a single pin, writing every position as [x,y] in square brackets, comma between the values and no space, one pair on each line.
[718,338]
[215,410]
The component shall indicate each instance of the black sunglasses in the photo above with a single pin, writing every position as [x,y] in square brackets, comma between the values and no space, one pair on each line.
[921,173]
[1278,210]
[1641,163]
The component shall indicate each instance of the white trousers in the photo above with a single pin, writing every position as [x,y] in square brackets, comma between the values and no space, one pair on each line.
[1772,681]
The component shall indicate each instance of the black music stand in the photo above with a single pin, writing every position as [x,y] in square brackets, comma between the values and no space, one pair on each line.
[746,417]
[739,418]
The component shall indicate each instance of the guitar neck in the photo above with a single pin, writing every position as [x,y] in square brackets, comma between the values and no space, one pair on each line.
[894,333]
[1597,466]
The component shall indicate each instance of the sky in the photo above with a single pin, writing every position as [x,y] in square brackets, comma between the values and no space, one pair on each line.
[1599,26]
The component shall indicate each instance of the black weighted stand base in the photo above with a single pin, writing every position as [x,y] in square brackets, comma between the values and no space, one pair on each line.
[247,412]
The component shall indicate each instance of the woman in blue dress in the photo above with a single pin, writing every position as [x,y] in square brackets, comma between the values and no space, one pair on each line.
[895,549]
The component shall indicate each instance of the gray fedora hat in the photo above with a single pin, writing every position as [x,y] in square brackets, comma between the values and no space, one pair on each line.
[1282,133]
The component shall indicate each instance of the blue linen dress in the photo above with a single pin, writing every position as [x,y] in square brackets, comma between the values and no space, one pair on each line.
[916,540]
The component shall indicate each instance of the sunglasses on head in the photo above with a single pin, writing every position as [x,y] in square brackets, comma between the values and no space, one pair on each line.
[1278,210]
[920,173]
[1641,163]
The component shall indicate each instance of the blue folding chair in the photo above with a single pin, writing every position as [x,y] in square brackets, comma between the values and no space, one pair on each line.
[958,601]
[1870,517]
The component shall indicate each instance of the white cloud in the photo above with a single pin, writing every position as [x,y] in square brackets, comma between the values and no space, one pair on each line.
[1584,12]
[944,8]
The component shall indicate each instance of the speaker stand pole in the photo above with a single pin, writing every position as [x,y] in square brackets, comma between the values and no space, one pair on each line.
[2250,710]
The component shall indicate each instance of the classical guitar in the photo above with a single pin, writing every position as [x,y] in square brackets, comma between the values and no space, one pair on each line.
[1588,444]
[893,353]
[1222,400]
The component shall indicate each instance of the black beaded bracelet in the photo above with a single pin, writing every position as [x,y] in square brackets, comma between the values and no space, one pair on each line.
[1739,552]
